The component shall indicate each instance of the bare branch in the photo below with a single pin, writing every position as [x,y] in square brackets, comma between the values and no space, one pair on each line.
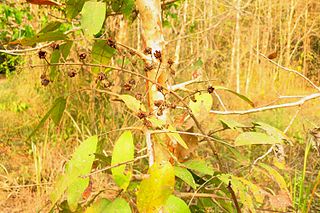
[116,165]
[260,109]
[290,70]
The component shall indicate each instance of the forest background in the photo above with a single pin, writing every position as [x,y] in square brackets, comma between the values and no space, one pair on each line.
[252,65]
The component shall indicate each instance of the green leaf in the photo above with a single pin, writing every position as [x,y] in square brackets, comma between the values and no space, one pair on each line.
[231,124]
[73,7]
[51,26]
[199,166]
[56,109]
[278,178]
[185,175]
[237,94]
[156,122]
[65,49]
[251,138]
[72,181]
[256,191]
[43,37]
[176,137]
[119,205]
[99,206]
[272,131]
[132,103]
[128,7]
[202,106]
[93,15]
[156,189]
[240,189]
[57,55]
[101,53]
[176,205]
[123,151]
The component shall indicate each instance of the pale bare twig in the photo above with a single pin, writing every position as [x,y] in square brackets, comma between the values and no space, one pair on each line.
[272,147]
[261,109]
[150,148]
[114,166]
[220,100]
[201,195]
[194,194]
[290,70]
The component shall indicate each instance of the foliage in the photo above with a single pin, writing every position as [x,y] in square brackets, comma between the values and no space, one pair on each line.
[96,84]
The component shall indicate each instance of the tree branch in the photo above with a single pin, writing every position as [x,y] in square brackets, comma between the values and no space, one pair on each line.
[260,109]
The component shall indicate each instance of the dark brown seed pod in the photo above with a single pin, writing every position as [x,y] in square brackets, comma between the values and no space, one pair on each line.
[127,86]
[42,54]
[43,76]
[173,106]
[112,43]
[159,88]
[55,46]
[210,89]
[138,96]
[192,98]
[147,123]
[157,55]
[273,55]
[107,84]
[132,81]
[170,62]
[82,56]
[160,112]
[142,114]
[45,82]
[101,76]
[148,67]
[147,50]
[158,103]
[72,73]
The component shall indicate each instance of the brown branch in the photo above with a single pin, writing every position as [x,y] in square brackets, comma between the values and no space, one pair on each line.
[234,198]
[201,195]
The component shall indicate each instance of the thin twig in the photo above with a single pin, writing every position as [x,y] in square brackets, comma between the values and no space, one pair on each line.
[220,100]
[290,70]
[190,194]
[260,109]
[196,192]
[116,165]
[150,148]
[190,133]
[24,186]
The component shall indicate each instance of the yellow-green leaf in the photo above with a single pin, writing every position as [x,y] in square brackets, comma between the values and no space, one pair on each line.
[278,178]
[199,166]
[132,103]
[93,15]
[101,54]
[42,37]
[176,137]
[72,181]
[176,205]
[99,206]
[251,138]
[156,189]
[185,175]
[123,151]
